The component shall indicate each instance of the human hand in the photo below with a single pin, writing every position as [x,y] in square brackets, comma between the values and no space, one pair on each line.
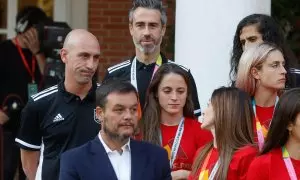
[180,174]
[3,117]
[31,40]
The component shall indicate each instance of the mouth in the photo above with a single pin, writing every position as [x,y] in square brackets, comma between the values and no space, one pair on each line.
[147,41]
[85,73]
[126,125]
[282,80]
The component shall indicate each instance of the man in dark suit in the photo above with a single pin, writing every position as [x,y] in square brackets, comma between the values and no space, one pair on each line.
[113,155]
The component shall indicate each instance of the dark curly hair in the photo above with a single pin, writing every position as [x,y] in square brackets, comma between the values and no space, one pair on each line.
[272,33]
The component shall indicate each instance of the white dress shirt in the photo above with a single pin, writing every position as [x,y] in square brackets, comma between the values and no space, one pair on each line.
[121,162]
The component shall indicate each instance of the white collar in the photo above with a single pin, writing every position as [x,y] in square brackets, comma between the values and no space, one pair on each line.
[125,147]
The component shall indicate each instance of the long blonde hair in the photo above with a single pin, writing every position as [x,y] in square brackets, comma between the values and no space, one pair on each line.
[252,57]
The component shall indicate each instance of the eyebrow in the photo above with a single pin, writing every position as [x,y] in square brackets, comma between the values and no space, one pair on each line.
[168,87]
[120,105]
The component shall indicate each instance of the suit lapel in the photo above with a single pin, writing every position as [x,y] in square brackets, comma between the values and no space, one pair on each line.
[138,160]
[101,161]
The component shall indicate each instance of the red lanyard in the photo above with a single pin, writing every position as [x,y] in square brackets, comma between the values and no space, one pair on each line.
[32,71]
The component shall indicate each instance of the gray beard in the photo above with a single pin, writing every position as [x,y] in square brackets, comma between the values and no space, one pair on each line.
[145,50]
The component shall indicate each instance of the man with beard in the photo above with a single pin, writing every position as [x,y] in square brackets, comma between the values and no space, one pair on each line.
[112,154]
[147,25]
[61,117]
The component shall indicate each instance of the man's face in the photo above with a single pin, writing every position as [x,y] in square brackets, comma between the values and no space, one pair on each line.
[82,60]
[120,115]
[147,30]
[250,36]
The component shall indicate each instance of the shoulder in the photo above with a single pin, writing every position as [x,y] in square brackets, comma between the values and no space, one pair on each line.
[41,100]
[192,124]
[246,151]
[119,66]
[295,71]
[46,94]
[183,67]
[6,44]
[150,148]
[191,121]
[260,163]
[77,152]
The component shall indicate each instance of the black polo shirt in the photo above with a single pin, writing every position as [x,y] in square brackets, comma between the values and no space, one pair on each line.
[54,121]
[144,75]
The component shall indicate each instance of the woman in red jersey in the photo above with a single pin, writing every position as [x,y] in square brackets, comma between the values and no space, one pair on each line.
[261,73]
[168,119]
[280,157]
[229,117]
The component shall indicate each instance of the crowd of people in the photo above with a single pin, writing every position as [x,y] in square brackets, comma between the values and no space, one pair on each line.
[141,122]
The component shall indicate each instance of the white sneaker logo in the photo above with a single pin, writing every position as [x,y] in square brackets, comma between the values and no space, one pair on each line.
[58,117]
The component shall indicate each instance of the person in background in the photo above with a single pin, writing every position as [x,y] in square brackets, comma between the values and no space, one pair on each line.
[147,26]
[22,63]
[229,117]
[61,117]
[168,119]
[262,74]
[280,156]
[258,28]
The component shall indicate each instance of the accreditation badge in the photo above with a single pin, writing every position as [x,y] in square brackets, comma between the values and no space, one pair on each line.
[32,89]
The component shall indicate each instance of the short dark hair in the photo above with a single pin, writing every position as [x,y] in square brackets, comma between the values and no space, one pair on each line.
[285,113]
[113,86]
[149,4]
[271,32]
[33,15]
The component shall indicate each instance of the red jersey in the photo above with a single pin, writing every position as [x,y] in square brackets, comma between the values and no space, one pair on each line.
[264,115]
[238,166]
[271,166]
[193,138]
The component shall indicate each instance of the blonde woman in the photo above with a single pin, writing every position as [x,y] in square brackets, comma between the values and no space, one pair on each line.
[262,74]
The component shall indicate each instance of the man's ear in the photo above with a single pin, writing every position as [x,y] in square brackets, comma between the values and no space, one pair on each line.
[100,113]
[63,55]
[254,73]
[163,30]
[130,28]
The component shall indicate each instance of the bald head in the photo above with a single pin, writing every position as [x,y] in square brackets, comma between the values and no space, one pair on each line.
[79,36]
[81,54]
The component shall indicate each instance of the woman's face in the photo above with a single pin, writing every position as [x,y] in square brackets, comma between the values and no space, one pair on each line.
[172,94]
[272,74]
[208,117]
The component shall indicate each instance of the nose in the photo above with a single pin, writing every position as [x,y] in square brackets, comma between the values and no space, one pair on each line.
[128,114]
[146,31]
[90,63]
[283,70]
[174,96]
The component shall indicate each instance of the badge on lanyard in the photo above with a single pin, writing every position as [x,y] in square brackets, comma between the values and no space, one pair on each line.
[32,89]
